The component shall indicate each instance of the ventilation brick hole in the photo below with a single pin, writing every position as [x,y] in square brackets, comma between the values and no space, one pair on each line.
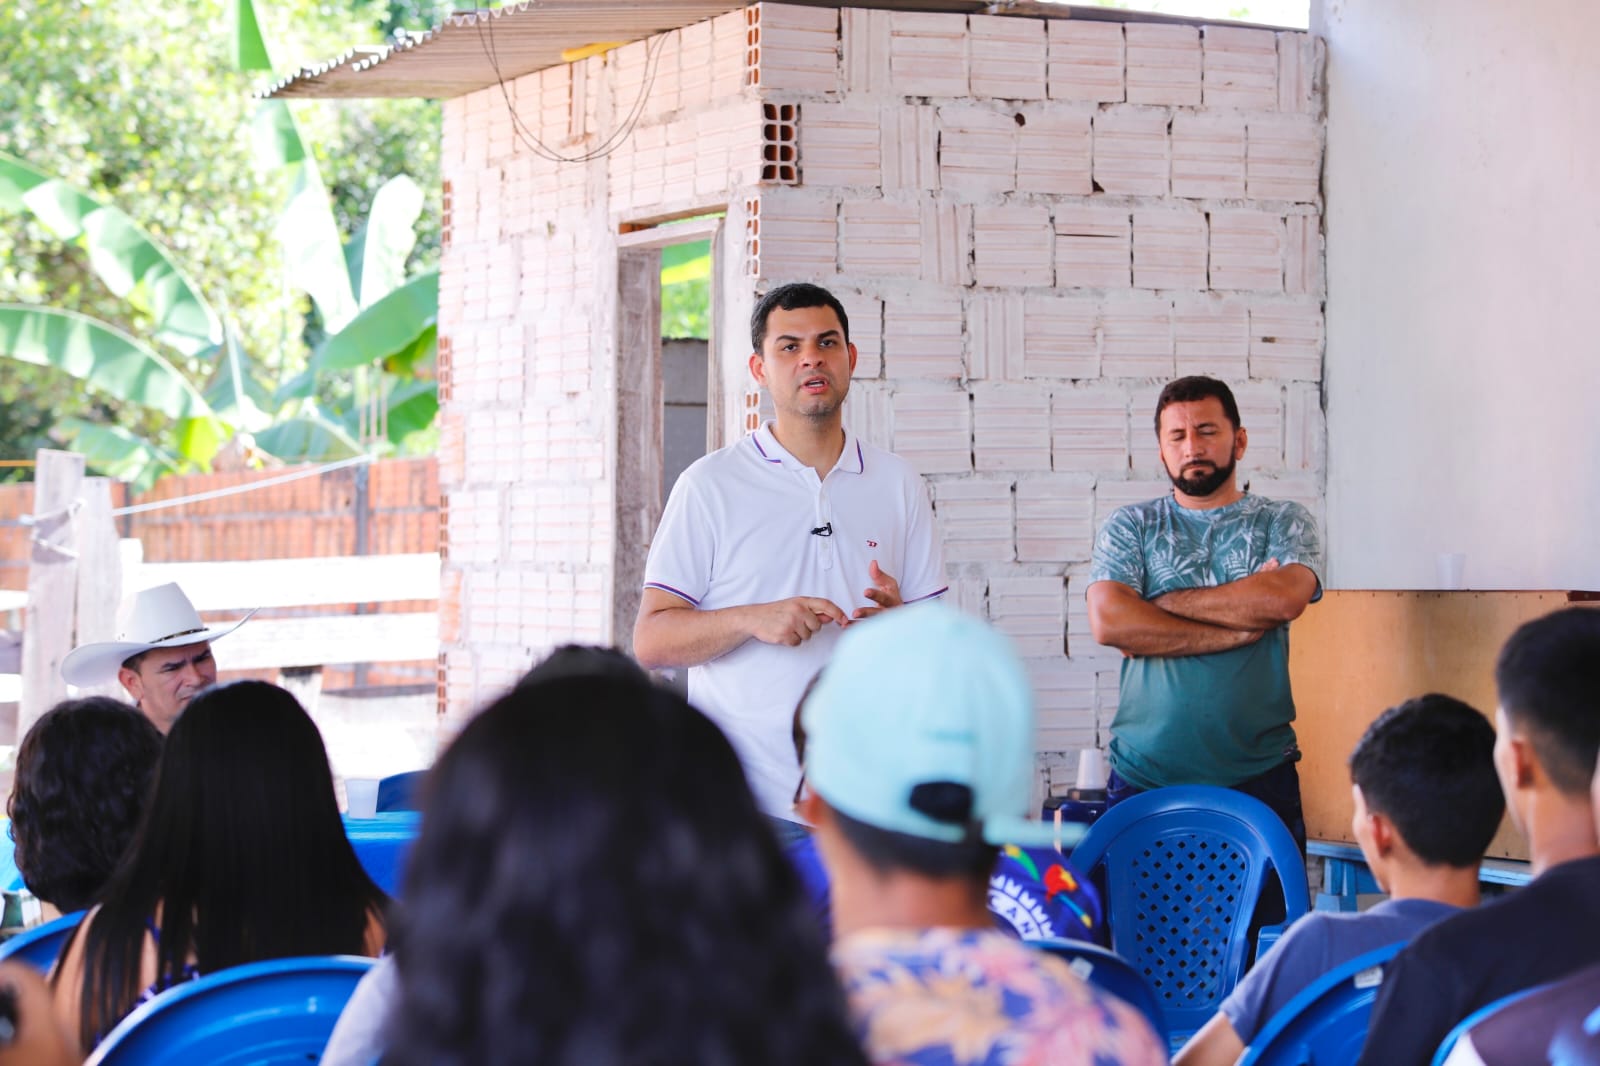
[752,238]
[780,143]
[752,46]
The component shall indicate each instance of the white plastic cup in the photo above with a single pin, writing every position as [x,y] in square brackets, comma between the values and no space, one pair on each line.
[1091,769]
[1451,570]
[361,796]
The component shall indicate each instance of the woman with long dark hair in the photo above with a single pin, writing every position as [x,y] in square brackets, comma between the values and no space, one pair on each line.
[594,886]
[240,856]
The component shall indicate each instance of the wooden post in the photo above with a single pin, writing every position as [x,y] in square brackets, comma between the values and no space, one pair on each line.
[52,584]
[99,573]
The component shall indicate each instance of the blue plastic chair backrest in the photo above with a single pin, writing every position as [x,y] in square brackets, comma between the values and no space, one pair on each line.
[398,792]
[1111,973]
[1326,1022]
[41,946]
[1455,1035]
[271,1013]
[1184,867]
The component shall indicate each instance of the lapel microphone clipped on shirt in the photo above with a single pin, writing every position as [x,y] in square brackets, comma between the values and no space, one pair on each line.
[824,530]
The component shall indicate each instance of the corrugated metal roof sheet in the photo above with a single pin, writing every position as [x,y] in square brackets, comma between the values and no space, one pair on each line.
[473,49]
[464,52]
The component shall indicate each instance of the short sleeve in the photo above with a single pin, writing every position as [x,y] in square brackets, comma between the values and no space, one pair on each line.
[924,561]
[1292,964]
[684,548]
[1294,539]
[1119,552]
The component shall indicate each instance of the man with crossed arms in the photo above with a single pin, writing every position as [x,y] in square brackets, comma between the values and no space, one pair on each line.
[770,546]
[1197,589]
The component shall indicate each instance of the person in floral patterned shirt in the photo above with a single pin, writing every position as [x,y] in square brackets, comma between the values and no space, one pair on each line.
[1197,589]
[919,760]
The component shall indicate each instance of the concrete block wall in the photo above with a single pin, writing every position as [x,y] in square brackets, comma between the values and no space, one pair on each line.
[1033,223]
[1038,223]
[539,180]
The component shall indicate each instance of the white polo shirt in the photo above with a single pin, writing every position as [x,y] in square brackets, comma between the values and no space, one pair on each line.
[738,529]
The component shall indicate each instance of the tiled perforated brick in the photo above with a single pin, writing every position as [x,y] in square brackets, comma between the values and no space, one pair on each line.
[780,143]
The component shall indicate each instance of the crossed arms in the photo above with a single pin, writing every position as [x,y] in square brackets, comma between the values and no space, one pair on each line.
[1201,620]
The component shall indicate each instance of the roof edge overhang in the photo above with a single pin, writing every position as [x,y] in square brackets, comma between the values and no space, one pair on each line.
[472,50]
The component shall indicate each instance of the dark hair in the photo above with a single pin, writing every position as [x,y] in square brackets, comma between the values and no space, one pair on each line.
[1428,766]
[886,851]
[1197,387]
[792,297]
[132,662]
[594,885]
[585,660]
[82,775]
[1548,676]
[242,849]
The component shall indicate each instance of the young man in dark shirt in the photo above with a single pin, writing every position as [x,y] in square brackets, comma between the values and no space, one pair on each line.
[1548,731]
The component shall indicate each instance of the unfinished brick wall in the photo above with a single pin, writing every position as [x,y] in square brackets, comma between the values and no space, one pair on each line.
[1038,223]
[1033,224]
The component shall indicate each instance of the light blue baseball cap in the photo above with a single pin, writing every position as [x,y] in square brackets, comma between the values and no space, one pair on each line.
[922,723]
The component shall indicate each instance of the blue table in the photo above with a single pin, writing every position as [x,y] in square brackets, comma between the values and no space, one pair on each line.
[1345,875]
[382,844]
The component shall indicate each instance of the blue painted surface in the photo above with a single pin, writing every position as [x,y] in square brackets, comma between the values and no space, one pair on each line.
[381,843]
[1345,875]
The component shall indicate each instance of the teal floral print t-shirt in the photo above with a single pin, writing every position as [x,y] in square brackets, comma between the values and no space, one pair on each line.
[1216,719]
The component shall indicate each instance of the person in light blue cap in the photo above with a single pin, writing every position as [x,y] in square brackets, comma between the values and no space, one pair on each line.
[919,761]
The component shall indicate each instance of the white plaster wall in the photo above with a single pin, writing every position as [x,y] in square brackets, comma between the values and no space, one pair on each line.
[1463,252]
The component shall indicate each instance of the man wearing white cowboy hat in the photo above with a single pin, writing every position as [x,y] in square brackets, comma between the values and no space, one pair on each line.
[162,655]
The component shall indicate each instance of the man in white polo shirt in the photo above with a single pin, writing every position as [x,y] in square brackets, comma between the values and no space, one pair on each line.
[770,546]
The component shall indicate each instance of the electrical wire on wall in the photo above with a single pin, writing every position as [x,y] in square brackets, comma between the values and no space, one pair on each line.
[484,25]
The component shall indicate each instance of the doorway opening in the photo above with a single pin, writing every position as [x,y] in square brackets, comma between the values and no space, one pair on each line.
[667,385]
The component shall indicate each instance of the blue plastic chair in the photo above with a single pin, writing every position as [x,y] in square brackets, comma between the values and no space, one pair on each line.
[1110,973]
[40,946]
[271,1013]
[1326,1023]
[398,792]
[1184,868]
[1483,1012]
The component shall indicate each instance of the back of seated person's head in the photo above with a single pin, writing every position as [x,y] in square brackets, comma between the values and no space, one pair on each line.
[593,883]
[1428,766]
[241,850]
[585,660]
[1547,676]
[919,742]
[83,771]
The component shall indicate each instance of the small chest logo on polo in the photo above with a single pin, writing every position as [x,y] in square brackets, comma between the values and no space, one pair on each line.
[872,544]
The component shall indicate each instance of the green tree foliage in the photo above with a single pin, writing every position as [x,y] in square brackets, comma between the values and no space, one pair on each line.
[139,105]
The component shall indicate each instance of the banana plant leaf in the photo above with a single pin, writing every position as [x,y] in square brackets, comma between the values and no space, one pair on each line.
[313,252]
[376,256]
[412,407]
[307,437]
[390,326]
[115,452]
[99,355]
[248,47]
[200,438]
[131,263]
[233,392]
[414,360]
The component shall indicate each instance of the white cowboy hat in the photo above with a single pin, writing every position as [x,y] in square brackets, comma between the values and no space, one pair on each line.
[162,617]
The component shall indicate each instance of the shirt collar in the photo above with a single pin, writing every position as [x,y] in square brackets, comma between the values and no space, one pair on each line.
[852,460]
